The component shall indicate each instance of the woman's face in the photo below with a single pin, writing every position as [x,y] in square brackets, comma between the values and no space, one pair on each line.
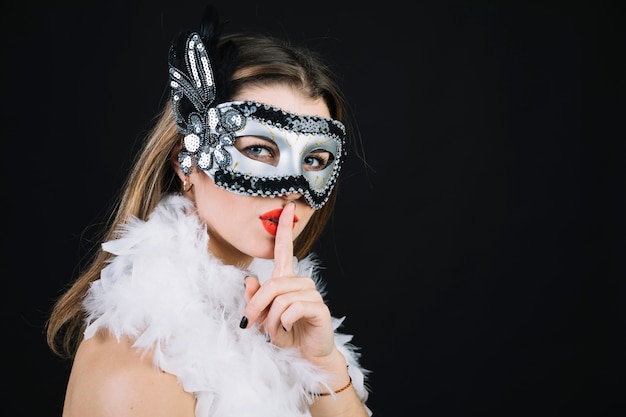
[242,227]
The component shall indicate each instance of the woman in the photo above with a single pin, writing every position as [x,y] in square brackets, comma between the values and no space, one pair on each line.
[204,299]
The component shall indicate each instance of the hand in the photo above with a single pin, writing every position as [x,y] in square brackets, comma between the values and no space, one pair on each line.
[286,307]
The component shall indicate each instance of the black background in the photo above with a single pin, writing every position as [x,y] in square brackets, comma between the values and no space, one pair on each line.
[479,259]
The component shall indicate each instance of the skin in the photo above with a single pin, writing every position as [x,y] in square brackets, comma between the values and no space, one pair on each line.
[237,242]
[111,378]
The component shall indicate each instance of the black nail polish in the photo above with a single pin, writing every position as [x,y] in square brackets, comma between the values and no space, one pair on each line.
[244,322]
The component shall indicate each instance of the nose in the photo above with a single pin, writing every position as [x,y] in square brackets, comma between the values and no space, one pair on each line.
[292,196]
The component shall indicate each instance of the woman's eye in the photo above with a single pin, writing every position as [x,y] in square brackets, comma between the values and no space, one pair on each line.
[317,160]
[258,149]
[261,153]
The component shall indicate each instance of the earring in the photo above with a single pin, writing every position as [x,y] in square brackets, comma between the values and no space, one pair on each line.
[187,184]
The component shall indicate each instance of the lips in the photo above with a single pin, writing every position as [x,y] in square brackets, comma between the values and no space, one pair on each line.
[270,220]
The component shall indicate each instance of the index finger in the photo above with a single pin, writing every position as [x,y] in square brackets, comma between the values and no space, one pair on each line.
[283,243]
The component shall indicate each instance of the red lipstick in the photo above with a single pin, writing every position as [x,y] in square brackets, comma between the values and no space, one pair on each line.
[270,220]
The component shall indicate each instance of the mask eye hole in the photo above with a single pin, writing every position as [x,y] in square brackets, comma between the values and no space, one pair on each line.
[258,149]
[317,160]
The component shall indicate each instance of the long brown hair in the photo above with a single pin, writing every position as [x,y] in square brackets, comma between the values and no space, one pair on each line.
[260,59]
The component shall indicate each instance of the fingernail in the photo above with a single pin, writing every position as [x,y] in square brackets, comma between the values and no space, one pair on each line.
[249,275]
[244,322]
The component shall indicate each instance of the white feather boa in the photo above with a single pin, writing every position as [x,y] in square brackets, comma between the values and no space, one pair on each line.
[165,290]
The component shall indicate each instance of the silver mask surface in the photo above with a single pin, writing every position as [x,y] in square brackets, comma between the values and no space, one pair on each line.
[298,138]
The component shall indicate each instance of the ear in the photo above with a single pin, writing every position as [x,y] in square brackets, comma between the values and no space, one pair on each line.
[174,159]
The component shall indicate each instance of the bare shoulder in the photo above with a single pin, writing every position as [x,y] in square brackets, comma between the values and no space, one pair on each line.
[111,378]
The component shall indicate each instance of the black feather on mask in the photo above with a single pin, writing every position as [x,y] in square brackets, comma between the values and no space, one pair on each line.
[200,72]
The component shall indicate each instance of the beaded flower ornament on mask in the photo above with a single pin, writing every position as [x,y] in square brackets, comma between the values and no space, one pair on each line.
[211,131]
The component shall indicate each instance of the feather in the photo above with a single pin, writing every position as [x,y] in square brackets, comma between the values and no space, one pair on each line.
[200,72]
[210,27]
[167,292]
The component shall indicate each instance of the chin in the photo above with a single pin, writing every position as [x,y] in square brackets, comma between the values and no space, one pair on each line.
[266,256]
[262,253]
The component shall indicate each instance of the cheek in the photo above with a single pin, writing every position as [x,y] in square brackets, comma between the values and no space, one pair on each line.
[212,202]
[304,216]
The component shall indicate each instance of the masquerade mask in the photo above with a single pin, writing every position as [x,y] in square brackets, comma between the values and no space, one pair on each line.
[251,148]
